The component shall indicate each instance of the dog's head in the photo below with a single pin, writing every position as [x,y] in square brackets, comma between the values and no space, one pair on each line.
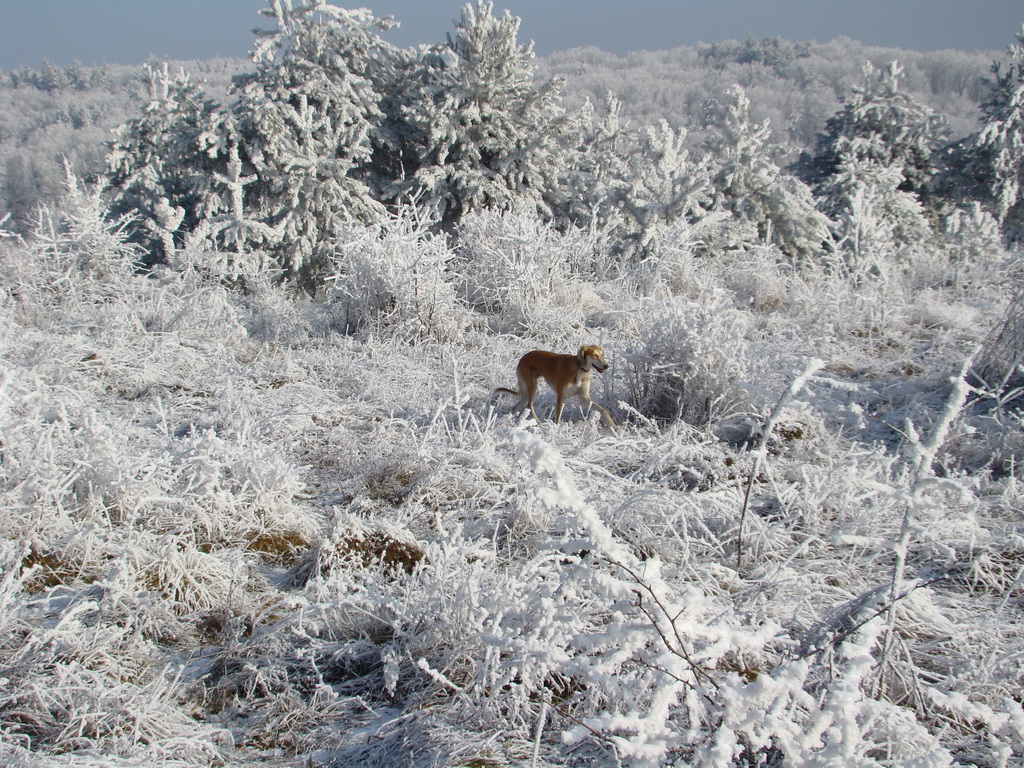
[592,359]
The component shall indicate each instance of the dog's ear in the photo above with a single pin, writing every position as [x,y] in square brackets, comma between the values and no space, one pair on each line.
[582,354]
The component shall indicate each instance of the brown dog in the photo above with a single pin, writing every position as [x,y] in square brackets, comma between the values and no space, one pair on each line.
[568,375]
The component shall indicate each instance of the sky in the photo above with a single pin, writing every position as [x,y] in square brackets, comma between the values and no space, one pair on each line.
[131,31]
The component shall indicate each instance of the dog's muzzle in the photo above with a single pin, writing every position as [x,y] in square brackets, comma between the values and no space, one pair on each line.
[600,368]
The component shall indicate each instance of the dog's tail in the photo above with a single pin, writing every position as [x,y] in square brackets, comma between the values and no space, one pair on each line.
[506,390]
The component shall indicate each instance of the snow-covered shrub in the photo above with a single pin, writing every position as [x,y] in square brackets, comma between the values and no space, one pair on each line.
[874,217]
[759,279]
[391,278]
[659,185]
[673,267]
[690,361]
[972,235]
[73,250]
[517,272]
[235,489]
[280,316]
[774,717]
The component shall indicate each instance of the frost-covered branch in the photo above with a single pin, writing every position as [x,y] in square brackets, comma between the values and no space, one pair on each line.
[760,452]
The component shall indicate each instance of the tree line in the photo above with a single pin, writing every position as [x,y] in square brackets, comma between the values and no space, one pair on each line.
[332,124]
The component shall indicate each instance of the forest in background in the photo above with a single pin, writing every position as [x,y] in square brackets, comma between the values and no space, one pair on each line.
[264,507]
[69,112]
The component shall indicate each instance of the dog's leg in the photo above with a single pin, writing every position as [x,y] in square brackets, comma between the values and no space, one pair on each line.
[559,404]
[522,392]
[604,412]
[584,397]
[529,389]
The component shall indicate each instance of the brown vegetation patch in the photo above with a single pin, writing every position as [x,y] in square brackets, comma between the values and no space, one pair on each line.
[50,569]
[279,547]
[377,548]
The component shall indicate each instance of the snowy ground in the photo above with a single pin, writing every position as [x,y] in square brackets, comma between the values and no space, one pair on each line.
[237,535]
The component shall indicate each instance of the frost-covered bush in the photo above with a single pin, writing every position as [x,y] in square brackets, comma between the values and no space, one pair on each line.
[874,218]
[1000,360]
[523,276]
[760,279]
[73,249]
[690,362]
[393,278]
[673,268]
[972,235]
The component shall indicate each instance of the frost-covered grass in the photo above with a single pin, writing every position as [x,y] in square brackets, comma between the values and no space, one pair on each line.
[245,527]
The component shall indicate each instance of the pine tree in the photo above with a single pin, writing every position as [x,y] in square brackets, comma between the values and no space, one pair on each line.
[661,185]
[268,179]
[874,218]
[52,78]
[874,164]
[751,186]
[596,163]
[884,125]
[483,134]
[156,164]
[306,118]
[999,147]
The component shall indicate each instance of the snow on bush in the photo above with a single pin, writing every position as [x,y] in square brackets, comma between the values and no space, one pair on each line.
[391,279]
[690,361]
[518,273]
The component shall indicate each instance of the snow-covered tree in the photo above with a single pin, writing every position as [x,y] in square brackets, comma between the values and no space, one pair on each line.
[156,165]
[270,176]
[306,117]
[747,182]
[999,147]
[484,134]
[882,124]
[598,141]
[661,185]
[873,164]
[873,217]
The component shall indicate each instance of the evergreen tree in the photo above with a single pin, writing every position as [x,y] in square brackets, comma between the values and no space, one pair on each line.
[52,78]
[998,150]
[157,166]
[874,218]
[483,134]
[306,118]
[589,184]
[884,125]
[747,182]
[269,178]
[874,163]
[660,186]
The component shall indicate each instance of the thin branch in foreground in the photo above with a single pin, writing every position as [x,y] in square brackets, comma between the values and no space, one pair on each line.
[813,366]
